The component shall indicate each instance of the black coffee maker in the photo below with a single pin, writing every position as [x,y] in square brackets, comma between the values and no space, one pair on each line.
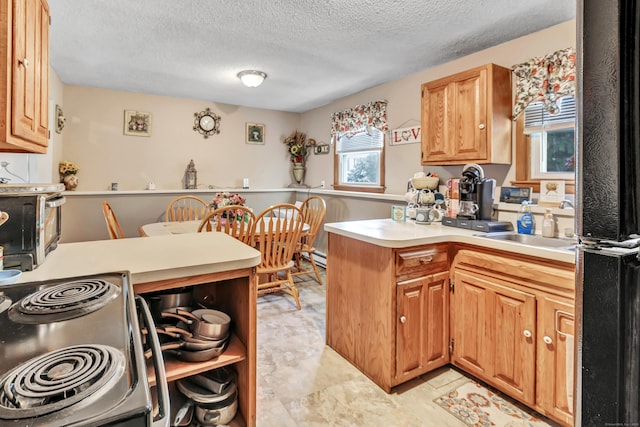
[476,194]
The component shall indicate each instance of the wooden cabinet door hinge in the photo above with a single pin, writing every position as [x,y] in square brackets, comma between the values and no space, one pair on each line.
[451,346]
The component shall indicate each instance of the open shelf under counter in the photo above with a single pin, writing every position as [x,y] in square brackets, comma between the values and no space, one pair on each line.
[176,368]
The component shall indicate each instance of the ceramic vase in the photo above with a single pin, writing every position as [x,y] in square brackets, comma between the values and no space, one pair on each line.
[298,172]
[70,182]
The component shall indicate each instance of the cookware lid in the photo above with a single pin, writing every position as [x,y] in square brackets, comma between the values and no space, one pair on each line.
[200,394]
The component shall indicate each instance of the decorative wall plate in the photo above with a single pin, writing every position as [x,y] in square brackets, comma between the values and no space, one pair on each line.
[206,122]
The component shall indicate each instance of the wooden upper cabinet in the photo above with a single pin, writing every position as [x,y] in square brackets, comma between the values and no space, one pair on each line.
[466,117]
[24,86]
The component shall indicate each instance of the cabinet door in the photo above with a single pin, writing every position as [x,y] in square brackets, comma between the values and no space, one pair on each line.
[556,346]
[30,73]
[437,119]
[470,138]
[494,333]
[30,70]
[514,326]
[422,325]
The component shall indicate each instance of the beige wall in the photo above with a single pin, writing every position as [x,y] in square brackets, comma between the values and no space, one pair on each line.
[94,139]
[403,98]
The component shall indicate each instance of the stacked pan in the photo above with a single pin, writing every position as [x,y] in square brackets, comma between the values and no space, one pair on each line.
[192,335]
[212,394]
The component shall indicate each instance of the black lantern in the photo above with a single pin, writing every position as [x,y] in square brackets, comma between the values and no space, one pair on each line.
[191,177]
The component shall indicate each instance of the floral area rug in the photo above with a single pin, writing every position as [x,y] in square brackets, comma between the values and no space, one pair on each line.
[477,406]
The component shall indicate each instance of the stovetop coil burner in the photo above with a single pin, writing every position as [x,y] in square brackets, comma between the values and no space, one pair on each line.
[64,301]
[59,379]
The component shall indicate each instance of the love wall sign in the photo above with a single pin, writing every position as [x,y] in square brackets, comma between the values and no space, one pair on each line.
[406,135]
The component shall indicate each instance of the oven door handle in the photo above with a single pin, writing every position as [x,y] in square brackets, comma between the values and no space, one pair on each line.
[54,203]
[158,366]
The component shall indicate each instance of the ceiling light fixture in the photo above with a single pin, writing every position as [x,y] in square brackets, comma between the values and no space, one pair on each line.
[252,78]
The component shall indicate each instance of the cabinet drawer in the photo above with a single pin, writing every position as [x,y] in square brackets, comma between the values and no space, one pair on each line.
[431,259]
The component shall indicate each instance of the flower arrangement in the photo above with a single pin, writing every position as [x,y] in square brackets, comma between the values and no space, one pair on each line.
[227,199]
[298,146]
[68,168]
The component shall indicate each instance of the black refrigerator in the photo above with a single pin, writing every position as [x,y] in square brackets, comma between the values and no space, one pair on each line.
[608,214]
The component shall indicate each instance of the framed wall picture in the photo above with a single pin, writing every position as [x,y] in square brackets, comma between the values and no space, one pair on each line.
[255,133]
[551,193]
[137,123]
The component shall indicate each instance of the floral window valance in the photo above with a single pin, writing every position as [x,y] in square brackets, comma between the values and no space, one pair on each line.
[546,78]
[353,120]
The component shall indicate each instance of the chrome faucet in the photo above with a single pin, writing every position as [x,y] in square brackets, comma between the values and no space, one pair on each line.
[565,203]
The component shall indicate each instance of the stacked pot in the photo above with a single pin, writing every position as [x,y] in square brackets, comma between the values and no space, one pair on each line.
[213,394]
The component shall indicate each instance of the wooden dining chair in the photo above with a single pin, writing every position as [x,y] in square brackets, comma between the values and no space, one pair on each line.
[185,208]
[113,226]
[237,221]
[313,212]
[277,230]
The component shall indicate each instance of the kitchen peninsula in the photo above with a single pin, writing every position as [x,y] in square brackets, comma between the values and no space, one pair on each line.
[404,299]
[218,267]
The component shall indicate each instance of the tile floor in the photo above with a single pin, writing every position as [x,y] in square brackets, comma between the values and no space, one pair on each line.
[303,382]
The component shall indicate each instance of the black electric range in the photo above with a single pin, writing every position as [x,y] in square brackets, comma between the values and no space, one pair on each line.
[72,354]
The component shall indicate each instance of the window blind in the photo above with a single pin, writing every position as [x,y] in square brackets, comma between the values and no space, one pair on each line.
[361,141]
[536,115]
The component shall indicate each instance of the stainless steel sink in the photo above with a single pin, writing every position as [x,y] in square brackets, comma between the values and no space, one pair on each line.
[532,240]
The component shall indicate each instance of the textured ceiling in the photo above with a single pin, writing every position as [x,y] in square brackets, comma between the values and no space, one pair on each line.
[314,52]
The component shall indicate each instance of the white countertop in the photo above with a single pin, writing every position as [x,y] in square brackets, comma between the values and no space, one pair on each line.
[147,259]
[399,234]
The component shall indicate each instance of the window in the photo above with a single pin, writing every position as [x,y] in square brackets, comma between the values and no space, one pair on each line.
[359,161]
[545,145]
[552,140]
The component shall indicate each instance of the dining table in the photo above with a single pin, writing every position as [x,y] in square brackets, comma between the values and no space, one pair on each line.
[182,227]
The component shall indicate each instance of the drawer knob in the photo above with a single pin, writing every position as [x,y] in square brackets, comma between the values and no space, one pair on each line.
[426,260]
[527,333]
[403,319]
[481,126]
[24,62]
[547,339]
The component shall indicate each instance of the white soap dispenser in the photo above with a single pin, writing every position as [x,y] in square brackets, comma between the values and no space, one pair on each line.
[548,224]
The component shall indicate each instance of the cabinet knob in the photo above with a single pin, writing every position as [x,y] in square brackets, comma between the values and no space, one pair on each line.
[426,260]
[547,339]
[403,319]
[527,333]
[24,62]
[481,126]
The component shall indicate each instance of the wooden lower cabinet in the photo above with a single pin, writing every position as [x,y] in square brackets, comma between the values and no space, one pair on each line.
[422,325]
[493,329]
[512,326]
[504,318]
[369,290]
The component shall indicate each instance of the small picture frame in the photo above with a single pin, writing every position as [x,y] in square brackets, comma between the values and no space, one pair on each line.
[398,213]
[137,123]
[551,192]
[255,133]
